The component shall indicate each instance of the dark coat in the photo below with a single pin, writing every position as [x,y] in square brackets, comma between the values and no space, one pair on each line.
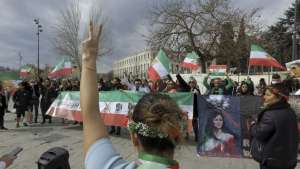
[49,94]
[36,90]
[276,129]
[22,99]
[3,104]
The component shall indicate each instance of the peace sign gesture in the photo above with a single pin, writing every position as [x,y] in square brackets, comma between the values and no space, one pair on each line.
[91,45]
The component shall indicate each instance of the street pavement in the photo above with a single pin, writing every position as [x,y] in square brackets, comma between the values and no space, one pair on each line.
[38,138]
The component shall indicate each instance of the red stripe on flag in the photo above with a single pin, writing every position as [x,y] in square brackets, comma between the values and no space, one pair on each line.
[108,118]
[61,73]
[152,74]
[218,67]
[266,62]
[189,65]
[24,74]
[114,119]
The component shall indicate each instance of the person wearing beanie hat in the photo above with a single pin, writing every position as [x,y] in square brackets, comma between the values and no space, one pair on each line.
[274,129]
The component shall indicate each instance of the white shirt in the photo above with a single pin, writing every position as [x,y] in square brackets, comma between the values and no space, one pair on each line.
[2,165]
[132,87]
[298,92]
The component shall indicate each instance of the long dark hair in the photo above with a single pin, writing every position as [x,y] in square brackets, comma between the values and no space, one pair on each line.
[209,129]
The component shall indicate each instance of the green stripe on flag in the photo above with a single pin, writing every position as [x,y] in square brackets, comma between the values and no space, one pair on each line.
[256,48]
[192,55]
[183,98]
[9,75]
[163,59]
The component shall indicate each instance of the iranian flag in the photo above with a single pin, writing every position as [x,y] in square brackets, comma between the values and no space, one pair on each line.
[218,70]
[25,71]
[260,57]
[191,61]
[62,69]
[160,66]
[113,105]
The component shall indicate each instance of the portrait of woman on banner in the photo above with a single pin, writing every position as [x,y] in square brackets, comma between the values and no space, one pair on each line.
[218,139]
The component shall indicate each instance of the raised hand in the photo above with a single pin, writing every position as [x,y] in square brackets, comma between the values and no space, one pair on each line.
[90,46]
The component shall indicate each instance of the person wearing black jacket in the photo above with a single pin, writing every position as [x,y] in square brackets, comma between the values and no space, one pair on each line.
[49,93]
[21,99]
[3,107]
[275,134]
[35,88]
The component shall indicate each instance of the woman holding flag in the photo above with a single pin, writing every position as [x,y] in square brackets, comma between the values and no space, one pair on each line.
[154,125]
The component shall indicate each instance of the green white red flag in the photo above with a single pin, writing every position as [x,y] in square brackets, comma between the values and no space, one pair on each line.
[260,57]
[160,66]
[62,69]
[191,61]
[25,71]
[113,105]
[218,70]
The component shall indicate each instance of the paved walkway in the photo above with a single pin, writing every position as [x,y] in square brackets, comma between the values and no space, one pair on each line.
[37,139]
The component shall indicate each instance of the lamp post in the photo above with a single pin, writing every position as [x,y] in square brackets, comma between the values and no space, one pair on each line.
[39,30]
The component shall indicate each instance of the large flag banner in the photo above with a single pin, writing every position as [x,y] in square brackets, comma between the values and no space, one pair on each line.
[62,69]
[191,61]
[113,105]
[219,126]
[9,75]
[160,66]
[218,70]
[25,71]
[260,57]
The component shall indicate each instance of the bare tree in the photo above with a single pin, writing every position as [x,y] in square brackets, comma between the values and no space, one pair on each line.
[68,30]
[182,27]
[66,40]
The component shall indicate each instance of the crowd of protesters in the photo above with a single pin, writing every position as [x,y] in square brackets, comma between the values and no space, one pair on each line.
[154,126]
[31,96]
[34,94]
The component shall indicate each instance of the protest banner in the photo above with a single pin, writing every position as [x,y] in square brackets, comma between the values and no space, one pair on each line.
[113,105]
[234,140]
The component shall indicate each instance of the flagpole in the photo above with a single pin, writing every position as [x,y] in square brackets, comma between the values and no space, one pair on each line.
[269,76]
[271,70]
[248,67]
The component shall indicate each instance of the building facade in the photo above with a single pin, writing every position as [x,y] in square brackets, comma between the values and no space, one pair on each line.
[135,65]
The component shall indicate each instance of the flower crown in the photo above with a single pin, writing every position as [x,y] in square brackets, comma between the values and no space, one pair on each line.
[145,130]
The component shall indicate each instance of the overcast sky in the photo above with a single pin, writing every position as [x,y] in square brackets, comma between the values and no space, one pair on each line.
[126,19]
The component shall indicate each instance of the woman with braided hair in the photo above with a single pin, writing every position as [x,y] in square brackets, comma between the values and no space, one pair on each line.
[154,125]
